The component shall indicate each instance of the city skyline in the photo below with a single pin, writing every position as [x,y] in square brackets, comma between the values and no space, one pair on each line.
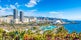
[67,9]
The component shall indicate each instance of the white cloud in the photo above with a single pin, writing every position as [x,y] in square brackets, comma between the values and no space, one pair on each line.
[12,6]
[53,12]
[2,11]
[8,9]
[32,3]
[30,12]
[72,17]
[0,7]
[5,11]
[17,5]
[56,14]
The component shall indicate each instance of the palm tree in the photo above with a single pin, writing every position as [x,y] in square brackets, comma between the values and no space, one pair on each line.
[22,34]
[4,35]
[17,37]
[12,35]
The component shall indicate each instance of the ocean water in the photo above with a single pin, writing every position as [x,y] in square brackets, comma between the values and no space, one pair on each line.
[73,27]
[69,27]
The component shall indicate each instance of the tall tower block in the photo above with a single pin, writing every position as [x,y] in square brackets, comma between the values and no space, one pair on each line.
[15,15]
[21,16]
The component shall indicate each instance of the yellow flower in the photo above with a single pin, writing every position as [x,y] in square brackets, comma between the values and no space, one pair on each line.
[25,36]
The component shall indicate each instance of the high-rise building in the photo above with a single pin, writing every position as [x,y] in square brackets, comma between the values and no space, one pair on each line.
[15,13]
[15,16]
[21,16]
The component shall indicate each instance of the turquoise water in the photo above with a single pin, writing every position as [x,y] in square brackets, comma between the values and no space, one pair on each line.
[51,27]
[70,27]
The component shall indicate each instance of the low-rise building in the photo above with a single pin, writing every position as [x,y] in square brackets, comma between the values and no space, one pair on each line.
[9,19]
[6,19]
[23,19]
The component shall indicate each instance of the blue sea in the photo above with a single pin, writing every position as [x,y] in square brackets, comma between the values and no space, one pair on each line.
[73,27]
[70,27]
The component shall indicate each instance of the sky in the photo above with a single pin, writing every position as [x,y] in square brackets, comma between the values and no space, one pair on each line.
[66,9]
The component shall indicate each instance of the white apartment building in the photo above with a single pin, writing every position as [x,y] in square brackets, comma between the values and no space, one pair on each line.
[9,19]
[29,19]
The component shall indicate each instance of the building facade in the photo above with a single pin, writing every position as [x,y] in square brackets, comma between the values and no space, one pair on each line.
[21,16]
[23,19]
